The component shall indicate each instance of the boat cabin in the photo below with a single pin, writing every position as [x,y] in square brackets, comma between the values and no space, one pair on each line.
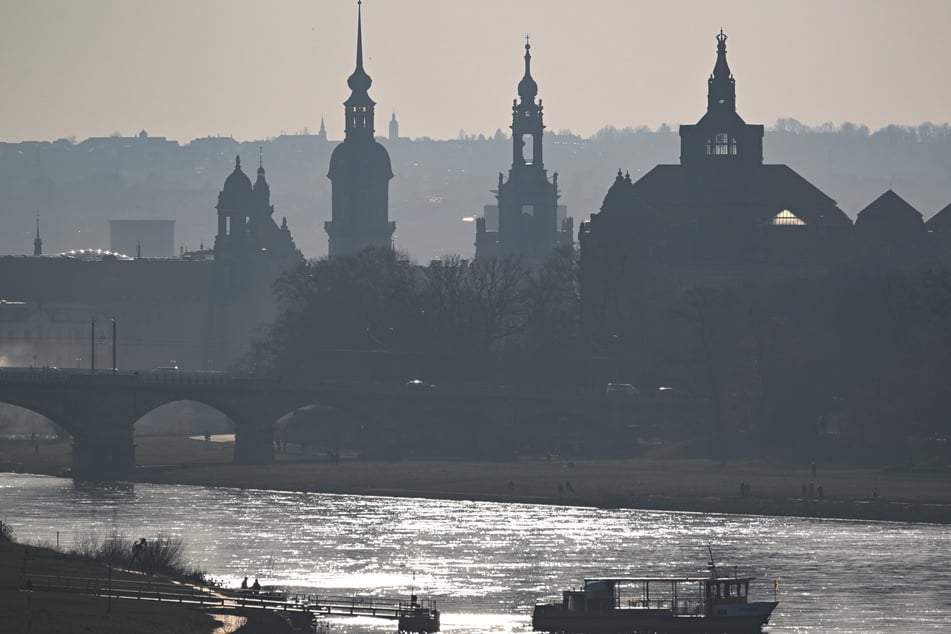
[674,595]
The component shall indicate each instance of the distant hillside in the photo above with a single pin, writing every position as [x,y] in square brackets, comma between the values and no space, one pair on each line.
[78,187]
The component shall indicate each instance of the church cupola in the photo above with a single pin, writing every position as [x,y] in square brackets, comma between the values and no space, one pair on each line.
[527,88]
[234,205]
[721,87]
[359,107]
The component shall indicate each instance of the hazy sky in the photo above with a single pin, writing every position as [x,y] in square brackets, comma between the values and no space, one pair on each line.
[252,69]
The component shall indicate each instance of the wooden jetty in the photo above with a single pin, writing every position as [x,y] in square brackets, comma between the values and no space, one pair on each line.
[411,615]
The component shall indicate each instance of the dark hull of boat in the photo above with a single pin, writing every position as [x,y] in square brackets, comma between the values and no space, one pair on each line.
[420,621]
[557,619]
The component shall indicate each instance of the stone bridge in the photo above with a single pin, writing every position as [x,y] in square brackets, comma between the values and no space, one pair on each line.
[100,411]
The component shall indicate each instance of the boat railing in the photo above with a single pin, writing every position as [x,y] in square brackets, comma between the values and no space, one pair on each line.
[677,607]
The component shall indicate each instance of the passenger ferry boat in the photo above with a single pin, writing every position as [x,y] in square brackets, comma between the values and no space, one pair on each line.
[714,604]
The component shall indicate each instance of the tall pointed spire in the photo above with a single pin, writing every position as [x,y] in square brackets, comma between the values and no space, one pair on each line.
[359,34]
[37,243]
[721,87]
[359,107]
[359,81]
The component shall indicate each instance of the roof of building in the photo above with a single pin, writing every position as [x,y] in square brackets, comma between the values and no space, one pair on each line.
[890,212]
[754,196]
[941,221]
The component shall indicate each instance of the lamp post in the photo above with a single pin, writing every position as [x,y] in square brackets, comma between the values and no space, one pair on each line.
[114,368]
[92,346]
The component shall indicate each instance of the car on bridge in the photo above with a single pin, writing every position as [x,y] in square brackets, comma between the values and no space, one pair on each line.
[419,385]
[623,390]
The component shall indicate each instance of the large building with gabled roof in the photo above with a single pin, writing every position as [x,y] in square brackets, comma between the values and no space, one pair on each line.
[720,214]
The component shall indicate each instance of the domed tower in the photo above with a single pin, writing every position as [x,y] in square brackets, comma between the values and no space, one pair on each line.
[234,209]
[530,222]
[360,173]
[248,238]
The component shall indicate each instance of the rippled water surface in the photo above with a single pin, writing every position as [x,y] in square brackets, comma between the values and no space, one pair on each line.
[487,563]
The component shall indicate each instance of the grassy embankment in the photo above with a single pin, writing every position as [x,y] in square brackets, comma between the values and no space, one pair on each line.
[30,602]
[69,613]
[692,485]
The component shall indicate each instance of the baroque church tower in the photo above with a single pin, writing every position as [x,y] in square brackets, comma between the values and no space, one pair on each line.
[249,243]
[527,221]
[360,173]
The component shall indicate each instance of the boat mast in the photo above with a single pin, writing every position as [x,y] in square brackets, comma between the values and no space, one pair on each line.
[712,566]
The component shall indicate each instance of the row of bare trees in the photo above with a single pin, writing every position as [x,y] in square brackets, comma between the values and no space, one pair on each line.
[377,315]
[849,351]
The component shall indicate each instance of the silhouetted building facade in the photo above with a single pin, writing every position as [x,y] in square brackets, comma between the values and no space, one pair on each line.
[249,241]
[198,311]
[718,216]
[891,233]
[527,221]
[360,173]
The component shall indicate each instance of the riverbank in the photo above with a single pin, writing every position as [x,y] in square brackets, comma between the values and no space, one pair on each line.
[742,486]
[28,605]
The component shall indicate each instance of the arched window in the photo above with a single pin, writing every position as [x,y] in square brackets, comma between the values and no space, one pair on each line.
[528,148]
[721,144]
[786,218]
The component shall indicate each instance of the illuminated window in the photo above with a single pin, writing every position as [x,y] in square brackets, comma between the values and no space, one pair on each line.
[721,144]
[787,218]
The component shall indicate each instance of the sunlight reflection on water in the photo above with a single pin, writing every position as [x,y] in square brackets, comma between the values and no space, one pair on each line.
[487,564]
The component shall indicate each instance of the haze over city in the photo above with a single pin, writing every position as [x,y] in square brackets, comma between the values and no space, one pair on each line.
[245,69]
[385,305]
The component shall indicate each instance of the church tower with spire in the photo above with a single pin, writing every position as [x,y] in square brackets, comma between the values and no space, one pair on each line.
[360,172]
[527,221]
[721,139]
[394,128]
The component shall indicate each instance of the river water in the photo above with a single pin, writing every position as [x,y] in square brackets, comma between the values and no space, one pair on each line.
[487,563]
